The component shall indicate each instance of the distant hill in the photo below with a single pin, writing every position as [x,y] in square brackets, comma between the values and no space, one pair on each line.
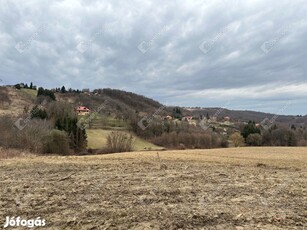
[121,103]
[245,115]
[109,101]
[112,101]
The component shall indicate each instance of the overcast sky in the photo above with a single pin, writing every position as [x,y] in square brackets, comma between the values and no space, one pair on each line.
[237,54]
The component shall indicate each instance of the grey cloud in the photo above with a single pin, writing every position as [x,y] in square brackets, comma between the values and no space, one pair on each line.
[95,44]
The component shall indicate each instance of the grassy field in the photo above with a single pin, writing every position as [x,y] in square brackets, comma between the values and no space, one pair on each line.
[97,139]
[243,188]
[107,122]
[29,93]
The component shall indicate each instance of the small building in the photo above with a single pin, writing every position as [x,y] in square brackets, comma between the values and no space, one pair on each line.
[82,110]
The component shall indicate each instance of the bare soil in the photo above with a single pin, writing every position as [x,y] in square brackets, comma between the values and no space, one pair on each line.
[244,188]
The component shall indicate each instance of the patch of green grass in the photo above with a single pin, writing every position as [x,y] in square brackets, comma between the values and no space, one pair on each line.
[31,93]
[99,121]
[113,122]
[97,138]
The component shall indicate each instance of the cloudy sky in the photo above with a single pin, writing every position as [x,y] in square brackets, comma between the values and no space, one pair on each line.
[224,53]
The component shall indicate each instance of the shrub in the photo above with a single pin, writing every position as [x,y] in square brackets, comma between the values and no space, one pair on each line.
[23,133]
[254,139]
[31,136]
[119,142]
[37,112]
[237,139]
[56,142]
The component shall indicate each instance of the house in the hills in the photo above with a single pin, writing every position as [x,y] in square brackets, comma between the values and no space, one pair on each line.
[82,110]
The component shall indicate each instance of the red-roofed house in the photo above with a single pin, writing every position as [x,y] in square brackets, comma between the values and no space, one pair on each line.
[82,110]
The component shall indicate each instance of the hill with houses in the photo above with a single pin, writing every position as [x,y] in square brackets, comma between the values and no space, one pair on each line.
[102,111]
[122,104]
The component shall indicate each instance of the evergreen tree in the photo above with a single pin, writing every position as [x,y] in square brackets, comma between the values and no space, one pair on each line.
[63,90]
[17,86]
[177,113]
[250,128]
[45,92]
[78,138]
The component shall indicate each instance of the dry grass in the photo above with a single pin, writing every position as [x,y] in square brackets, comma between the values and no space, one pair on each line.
[244,188]
[19,100]
[13,153]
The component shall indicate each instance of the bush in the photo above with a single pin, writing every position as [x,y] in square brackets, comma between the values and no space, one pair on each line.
[37,112]
[119,142]
[56,142]
[31,136]
[23,133]
[254,139]
[237,139]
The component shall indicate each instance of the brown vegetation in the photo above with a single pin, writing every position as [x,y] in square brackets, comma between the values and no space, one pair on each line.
[119,142]
[13,153]
[237,139]
[237,188]
[190,140]
[23,133]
